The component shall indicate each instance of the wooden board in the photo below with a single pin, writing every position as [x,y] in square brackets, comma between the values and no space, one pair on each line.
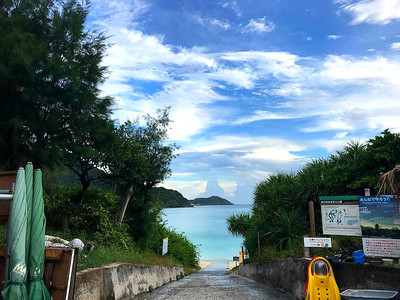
[7,178]
[4,209]
[56,273]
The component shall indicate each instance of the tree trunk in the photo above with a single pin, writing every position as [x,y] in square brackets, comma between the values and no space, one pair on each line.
[81,195]
[64,222]
[124,203]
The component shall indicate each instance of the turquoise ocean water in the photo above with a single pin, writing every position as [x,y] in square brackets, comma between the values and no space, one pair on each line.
[206,226]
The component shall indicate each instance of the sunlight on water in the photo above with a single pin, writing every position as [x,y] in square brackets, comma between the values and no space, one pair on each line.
[206,226]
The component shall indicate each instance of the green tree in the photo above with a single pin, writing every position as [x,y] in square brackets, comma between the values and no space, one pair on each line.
[85,156]
[140,158]
[49,76]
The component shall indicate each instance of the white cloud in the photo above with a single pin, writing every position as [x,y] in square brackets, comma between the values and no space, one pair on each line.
[262,115]
[220,24]
[212,21]
[373,11]
[240,78]
[334,37]
[395,46]
[229,187]
[231,5]
[189,189]
[340,135]
[248,148]
[259,26]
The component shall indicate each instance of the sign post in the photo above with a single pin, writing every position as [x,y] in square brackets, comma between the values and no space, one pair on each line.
[165,246]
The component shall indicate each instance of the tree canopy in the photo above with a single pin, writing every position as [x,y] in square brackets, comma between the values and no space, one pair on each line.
[50,71]
[280,207]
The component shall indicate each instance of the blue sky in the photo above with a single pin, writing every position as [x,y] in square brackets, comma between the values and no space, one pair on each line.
[255,87]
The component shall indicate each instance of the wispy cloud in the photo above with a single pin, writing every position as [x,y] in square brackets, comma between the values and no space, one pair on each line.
[259,26]
[395,46]
[373,11]
[231,5]
[263,115]
[212,22]
[334,37]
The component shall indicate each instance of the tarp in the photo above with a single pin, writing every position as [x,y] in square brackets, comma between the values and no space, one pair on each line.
[37,289]
[17,276]
[29,197]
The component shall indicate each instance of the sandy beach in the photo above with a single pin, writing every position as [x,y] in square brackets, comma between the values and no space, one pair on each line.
[229,263]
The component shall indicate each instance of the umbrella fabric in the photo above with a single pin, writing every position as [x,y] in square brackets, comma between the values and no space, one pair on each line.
[37,289]
[29,196]
[17,274]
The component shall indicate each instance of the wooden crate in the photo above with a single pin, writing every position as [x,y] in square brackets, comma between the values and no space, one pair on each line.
[60,265]
[7,178]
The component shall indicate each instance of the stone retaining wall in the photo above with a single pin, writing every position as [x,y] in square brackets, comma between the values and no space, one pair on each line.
[290,275]
[122,281]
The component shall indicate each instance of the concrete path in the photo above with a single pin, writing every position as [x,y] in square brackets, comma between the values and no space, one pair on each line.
[214,282]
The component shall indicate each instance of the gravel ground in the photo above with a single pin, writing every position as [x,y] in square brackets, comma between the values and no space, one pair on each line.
[214,282]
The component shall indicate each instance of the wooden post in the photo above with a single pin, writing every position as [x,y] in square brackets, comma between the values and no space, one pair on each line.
[242,255]
[313,232]
[259,241]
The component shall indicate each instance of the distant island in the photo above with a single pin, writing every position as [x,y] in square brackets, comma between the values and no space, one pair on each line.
[172,199]
[213,200]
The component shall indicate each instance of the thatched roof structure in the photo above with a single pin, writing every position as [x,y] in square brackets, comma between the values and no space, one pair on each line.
[389,182]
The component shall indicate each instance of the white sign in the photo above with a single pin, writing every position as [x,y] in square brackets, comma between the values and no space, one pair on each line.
[340,219]
[317,242]
[164,246]
[381,247]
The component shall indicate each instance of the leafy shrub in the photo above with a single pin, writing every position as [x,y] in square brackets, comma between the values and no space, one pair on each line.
[179,247]
[94,218]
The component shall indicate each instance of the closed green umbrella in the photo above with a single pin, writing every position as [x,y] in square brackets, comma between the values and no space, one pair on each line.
[29,196]
[37,289]
[16,288]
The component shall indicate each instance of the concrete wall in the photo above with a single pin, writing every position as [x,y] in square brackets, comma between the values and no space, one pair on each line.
[290,275]
[122,281]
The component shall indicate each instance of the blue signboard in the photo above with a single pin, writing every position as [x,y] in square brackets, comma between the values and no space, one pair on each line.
[379,215]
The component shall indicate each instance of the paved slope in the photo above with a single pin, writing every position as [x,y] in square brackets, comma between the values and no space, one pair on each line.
[214,282]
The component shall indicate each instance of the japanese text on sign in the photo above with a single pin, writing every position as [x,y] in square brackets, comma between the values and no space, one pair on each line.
[318,242]
[381,247]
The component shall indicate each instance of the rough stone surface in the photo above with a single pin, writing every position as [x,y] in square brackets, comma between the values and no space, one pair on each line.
[291,275]
[122,281]
[214,282]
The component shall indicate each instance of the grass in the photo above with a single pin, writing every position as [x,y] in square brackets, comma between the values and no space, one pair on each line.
[101,256]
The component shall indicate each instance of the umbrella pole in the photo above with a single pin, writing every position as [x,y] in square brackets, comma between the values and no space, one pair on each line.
[7,257]
[7,262]
[71,266]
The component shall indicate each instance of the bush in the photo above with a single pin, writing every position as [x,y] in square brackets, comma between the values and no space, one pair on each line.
[94,218]
[179,247]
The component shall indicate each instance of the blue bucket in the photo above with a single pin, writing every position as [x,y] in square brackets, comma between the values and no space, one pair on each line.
[359,257]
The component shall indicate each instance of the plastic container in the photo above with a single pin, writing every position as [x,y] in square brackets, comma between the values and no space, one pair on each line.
[387,261]
[359,257]
[368,294]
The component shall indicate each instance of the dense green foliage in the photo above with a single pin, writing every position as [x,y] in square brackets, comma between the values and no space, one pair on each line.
[49,75]
[179,247]
[280,209]
[54,116]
